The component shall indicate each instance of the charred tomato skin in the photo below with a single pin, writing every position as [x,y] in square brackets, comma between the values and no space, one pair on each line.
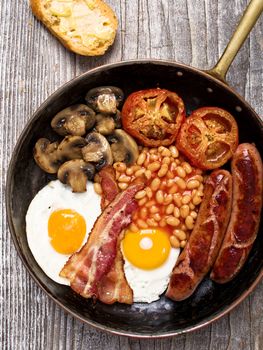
[208,137]
[153,116]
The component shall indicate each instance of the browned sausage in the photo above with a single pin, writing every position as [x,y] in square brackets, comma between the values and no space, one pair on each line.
[244,221]
[204,243]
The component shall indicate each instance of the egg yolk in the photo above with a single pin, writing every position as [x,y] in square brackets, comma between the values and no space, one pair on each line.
[146,249]
[66,229]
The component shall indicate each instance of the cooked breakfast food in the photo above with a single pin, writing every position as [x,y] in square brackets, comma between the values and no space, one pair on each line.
[86,27]
[246,167]
[155,216]
[204,243]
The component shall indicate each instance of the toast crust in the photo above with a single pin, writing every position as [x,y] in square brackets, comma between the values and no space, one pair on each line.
[86,27]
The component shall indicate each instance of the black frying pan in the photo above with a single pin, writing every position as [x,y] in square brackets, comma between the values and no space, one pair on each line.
[25,179]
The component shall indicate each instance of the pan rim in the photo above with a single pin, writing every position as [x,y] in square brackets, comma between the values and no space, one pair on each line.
[8,192]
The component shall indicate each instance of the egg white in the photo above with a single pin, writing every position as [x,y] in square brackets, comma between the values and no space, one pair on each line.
[148,285]
[52,197]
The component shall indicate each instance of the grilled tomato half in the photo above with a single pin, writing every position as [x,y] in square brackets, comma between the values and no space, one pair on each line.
[208,137]
[153,116]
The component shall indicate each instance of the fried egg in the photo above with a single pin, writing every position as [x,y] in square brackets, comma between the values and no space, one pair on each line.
[149,261]
[58,222]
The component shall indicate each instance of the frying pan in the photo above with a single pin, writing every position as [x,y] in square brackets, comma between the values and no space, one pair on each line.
[197,88]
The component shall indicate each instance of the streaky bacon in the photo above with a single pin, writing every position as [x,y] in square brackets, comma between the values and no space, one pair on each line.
[86,268]
[106,177]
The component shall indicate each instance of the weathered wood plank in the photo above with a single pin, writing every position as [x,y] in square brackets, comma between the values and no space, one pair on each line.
[33,64]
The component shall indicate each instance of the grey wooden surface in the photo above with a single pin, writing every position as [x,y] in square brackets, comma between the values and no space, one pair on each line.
[33,64]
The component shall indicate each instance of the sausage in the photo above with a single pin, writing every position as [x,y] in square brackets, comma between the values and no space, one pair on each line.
[206,238]
[243,226]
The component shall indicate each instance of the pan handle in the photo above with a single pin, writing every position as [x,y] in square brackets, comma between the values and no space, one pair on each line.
[244,27]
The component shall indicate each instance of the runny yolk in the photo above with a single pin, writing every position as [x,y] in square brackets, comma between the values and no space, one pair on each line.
[66,229]
[146,249]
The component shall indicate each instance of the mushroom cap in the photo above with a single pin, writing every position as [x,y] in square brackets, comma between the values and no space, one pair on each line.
[70,147]
[76,173]
[45,155]
[104,124]
[123,147]
[97,150]
[105,99]
[74,120]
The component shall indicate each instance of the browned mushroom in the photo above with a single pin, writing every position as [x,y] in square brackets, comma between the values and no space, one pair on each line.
[97,150]
[104,124]
[123,147]
[76,173]
[105,99]
[49,156]
[74,120]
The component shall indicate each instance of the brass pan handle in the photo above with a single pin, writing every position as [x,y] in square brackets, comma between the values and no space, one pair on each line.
[244,27]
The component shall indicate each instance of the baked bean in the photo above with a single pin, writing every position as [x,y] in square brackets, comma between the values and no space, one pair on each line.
[139,172]
[181,183]
[182,244]
[166,152]
[142,201]
[150,204]
[174,242]
[157,217]
[141,159]
[141,223]
[122,185]
[187,167]
[174,151]
[191,184]
[172,221]
[170,175]
[97,188]
[129,171]
[193,214]
[186,199]
[153,151]
[124,178]
[155,184]
[173,189]
[140,194]
[189,222]
[154,157]
[196,200]
[177,199]
[180,234]
[154,209]
[184,211]
[160,149]
[149,192]
[143,213]
[191,206]
[197,177]
[159,197]
[154,166]
[163,170]
[148,174]
[136,167]
[168,199]
[162,223]
[151,222]
[166,160]
[133,227]
[169,209]
[176,212]
[180,171]
[119,166]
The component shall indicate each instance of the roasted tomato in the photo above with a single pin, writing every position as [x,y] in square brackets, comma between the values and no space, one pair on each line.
[209,137]
[153,116]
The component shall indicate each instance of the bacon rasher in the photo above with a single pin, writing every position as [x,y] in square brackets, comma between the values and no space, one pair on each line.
[110,189]
[86,268]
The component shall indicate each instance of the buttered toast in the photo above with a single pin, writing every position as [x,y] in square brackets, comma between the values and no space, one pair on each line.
[86,27]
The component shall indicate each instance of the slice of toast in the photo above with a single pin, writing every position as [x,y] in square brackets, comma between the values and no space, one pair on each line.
[86,27]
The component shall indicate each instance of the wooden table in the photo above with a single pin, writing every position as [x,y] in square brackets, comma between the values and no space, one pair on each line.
[33,64]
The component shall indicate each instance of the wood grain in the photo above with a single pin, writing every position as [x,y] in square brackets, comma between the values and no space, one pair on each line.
[33,64]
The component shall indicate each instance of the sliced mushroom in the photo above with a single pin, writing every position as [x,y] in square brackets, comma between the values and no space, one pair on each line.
[74,120]
[76,173]
[97,150]
[70,147]
[123,147]
[45,155]
[104,124]
[49,156]
[104,99]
